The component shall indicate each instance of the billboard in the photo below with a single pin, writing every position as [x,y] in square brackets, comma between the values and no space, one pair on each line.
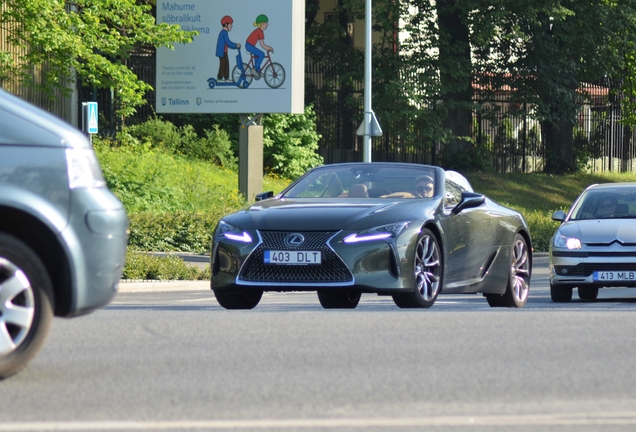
[249,57]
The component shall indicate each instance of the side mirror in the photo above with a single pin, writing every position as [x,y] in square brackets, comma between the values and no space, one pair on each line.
[264,195]
[469,200]
[559,216]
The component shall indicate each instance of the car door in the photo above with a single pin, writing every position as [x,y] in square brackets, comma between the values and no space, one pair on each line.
[469,241]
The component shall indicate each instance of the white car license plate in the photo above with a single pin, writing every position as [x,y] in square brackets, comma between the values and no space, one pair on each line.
[614,276]
[292,257]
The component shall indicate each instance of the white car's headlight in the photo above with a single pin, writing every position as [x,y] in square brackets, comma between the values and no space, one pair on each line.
[83,169]
[561,241]
[378,233]
[231,232]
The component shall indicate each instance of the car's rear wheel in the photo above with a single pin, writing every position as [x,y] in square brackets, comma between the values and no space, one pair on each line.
[427,273]
[588,293]
[516,294]
[560,293]
[25,305]
[239,299]
[337,299]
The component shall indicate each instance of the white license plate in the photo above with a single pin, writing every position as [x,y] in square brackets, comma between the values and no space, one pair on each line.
[292,257]
[614,276]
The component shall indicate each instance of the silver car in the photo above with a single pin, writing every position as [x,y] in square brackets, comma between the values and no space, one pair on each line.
[595,246]
[63,234]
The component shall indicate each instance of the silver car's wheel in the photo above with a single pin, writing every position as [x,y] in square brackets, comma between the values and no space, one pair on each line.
[588,293]
[239,299]
[427,273]
[560,293]
[516,294]
[336,299]
[25,305]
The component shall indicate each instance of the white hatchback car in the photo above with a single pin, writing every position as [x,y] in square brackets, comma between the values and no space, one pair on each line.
[595,246]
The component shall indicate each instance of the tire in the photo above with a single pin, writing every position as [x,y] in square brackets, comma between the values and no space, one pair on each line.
[211,83]
[560,293]
[239,299]
[339,299]
[236,74]
[427,273]
[25,305]
[518,288]
[274,75]
[588,293]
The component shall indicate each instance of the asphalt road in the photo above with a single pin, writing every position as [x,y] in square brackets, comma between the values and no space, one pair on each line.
[175,360]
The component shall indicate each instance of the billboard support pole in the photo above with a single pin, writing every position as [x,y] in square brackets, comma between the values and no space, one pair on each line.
[250,155]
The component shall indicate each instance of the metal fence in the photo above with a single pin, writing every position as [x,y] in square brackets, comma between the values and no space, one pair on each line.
[507,132]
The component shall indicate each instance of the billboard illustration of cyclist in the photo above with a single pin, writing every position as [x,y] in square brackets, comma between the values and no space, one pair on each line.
[247,58]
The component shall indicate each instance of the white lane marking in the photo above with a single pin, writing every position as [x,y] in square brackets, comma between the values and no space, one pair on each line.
[616,418]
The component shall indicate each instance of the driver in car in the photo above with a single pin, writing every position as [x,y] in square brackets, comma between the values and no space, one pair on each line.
[607,208]
[424,187]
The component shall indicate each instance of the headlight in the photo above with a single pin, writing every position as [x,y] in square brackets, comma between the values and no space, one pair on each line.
[378,233]
[230,231]
[83,169]
[561,241]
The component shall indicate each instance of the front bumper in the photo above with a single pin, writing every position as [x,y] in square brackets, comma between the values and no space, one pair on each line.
[96,239]
[576,268]
[380,266]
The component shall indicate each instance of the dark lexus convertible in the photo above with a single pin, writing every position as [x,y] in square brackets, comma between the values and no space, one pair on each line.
[405,230]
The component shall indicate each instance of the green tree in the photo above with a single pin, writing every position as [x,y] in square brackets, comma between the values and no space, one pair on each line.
[89,40]
[545,50]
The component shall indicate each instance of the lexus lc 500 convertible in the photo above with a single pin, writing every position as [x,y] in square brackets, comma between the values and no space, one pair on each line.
[406,230]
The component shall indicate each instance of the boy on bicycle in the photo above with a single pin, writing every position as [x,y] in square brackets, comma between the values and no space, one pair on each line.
[262,22]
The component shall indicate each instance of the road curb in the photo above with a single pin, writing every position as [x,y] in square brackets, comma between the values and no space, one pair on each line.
[127,286]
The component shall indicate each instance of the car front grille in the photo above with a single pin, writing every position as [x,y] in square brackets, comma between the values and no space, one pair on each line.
[331,269]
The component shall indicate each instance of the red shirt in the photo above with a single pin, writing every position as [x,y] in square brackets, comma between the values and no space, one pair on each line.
[255,36]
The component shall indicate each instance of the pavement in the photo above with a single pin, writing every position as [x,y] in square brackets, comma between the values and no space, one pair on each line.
[127,286]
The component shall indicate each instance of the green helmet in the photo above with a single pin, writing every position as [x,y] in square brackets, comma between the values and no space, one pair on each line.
[261,19]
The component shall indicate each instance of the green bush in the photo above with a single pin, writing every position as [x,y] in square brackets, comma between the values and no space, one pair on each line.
[291,143]
[156,134]
[542,227]
[148,267]
[179,231]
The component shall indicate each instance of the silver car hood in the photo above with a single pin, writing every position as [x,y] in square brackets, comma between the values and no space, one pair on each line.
[601,230]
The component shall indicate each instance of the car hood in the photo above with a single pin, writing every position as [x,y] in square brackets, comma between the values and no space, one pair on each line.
[601,230]
[325,214]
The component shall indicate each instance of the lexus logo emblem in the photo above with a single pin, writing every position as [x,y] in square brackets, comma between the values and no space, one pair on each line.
[294,240]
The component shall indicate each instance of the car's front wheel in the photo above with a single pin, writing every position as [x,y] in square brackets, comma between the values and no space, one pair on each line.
[588,293]
[25,305]
[427,273]
[560,293]
[516,294]
[337,299]
[239,299]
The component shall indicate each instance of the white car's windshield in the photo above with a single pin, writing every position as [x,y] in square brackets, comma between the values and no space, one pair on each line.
[606,203]
[365,181]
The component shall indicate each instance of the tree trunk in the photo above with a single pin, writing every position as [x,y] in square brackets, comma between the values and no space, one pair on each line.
[455,68]
[559,146]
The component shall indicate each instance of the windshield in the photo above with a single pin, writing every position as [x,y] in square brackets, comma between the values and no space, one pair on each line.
[365,181]
[606,203]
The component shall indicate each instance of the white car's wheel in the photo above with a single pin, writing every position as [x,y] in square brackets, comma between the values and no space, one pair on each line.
[560,293]
[25,305]
[588,293]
